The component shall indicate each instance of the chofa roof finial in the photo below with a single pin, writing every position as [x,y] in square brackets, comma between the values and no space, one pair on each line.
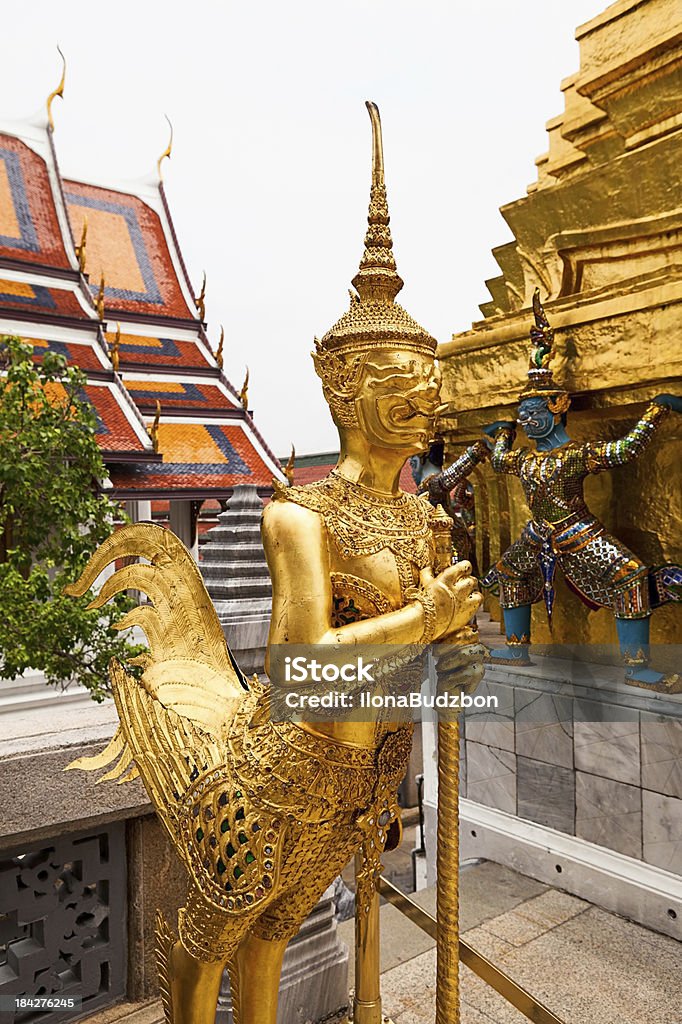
[59,91]
[244,393]
[167,151]
[219,358]
[200,300]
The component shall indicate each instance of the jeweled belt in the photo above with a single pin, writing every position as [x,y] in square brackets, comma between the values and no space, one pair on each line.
[564,538]
[568,536]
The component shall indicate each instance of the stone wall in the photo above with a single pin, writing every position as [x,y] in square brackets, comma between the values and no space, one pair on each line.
[81,919]
[604,767]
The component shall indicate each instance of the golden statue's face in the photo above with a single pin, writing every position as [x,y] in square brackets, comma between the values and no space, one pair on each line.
[397,400]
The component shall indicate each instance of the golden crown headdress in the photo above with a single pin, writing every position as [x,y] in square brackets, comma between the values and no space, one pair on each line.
[374,320]
[541,383]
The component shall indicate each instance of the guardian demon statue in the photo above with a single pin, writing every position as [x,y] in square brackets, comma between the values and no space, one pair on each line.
[563,532]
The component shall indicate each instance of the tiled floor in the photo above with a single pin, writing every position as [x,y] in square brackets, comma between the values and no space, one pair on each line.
[588,966]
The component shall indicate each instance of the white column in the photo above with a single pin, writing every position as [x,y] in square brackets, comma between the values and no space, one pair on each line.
[139,511]
[183,525]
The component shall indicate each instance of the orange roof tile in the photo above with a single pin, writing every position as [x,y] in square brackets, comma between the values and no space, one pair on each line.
[82,355]
[114,431]
[37,298]
[126,242]
[29,229]
[173,394]
[197,457]
[142,352]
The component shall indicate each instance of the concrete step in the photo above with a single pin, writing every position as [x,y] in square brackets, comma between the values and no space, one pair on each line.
[31,690]
[215,552]
[233,570]
[245,521]
[225,590]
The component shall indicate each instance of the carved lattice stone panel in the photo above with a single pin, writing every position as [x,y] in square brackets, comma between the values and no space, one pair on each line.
[63,922]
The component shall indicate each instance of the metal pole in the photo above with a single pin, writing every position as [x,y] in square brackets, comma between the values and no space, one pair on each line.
[447,886]
[367,999]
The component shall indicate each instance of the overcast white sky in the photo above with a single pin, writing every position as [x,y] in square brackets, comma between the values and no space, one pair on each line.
[269,179]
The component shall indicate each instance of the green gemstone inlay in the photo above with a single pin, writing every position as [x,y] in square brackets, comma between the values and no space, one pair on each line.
[200,834]
[242,838]
[221,866]
[224,825]
[240,814]
[230,850]
[249,858]
[237,872]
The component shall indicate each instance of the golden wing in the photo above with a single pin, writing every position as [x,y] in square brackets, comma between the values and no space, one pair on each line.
[189,670]
[170,751]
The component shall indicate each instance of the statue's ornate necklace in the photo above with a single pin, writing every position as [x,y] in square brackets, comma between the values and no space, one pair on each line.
[363,523]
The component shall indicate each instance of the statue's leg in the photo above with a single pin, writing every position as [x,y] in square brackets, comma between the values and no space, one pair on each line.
[191,966]
[607,573]
[517,632]
[633,637]
[259,965]
[195,986]
[633,620]
[520,581]
[318,856]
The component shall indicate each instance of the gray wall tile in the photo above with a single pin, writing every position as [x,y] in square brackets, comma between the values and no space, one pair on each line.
[494,727]
[491,776]
[662,831]
[546,794]
[662,754]
[544,727]
[608,813]
[606,741]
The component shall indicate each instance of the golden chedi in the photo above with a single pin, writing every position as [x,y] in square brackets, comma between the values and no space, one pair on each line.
[600,234]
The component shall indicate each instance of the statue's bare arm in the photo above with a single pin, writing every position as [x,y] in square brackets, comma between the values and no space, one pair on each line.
[295,545]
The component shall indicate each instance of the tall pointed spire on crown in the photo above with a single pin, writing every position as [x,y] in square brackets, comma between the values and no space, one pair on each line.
[375,319]
[377,277]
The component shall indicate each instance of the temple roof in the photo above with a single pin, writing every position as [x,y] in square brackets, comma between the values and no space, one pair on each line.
[175,393]
[200,460]
[31,297]
[82,352]
[309,468]
[120,432]
[140,351]
[50,295]
[127,244]
[29,227]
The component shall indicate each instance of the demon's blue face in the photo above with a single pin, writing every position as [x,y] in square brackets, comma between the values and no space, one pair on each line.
[422,467]
[535,417]
[417,468]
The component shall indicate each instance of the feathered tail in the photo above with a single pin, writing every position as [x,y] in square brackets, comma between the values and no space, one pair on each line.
[189,669]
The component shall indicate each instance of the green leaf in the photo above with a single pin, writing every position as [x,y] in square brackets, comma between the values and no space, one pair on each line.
[52,516]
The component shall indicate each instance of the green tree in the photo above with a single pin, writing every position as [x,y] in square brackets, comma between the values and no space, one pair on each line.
[52,516]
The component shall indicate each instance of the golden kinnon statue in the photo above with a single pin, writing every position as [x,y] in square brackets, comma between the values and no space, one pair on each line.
[265,814]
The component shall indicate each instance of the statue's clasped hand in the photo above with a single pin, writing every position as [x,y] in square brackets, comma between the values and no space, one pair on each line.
[456,598]
[460,662]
